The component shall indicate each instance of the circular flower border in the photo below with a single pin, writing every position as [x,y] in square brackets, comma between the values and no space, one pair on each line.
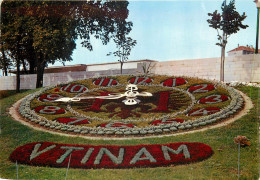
[235,105]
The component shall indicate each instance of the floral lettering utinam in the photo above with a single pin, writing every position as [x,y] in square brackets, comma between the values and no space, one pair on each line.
[110,156]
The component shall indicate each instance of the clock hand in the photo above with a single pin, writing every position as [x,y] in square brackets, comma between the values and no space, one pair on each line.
[110,96]
[130,94]
[64,99]
[144,94]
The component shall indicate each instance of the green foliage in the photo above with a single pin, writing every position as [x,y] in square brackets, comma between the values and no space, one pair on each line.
[102,20]
[229,21]
[124,46]
[37,33]
[5,60]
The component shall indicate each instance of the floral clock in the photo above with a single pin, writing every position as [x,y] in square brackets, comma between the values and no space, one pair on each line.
[120,106]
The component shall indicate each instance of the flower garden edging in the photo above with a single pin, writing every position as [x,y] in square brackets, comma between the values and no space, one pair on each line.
[236,103]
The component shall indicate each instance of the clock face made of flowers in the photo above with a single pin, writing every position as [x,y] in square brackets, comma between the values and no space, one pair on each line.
[120,106]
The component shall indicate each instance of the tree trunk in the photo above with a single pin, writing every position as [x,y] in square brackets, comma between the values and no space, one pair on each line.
[40,72]
[32,59]
[121,68]
[18,61]
[223,48]
[18,81]
[5,67]
[5,71]
[31,67]
[24,67]
[223,64]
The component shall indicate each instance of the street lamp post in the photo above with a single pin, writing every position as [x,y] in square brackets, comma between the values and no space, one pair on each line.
[257,25]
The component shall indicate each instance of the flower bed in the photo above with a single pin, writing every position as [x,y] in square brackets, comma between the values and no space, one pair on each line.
[177,104]
[110,156]
[73,88]
[166,121]
[49,110]
[212,99]
[172,82]
[72,120]
[140,80]
[106,82]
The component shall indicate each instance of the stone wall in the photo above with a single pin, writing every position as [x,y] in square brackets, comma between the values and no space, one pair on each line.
[245,68]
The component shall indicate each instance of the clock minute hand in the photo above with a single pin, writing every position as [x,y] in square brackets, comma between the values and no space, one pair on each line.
[64,99]
[110,96]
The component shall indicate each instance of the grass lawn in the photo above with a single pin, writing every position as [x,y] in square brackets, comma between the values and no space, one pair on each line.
[7,93]
[222,165]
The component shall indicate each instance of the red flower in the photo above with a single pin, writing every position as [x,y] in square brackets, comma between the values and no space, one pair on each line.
[73,120]
[213,99]
[174,82]
[49,110]
[201,88]
[203,111]
[140,80]
[110,156]
[120,125]
[74,88]
[106,82]
[49,97]
[166,121]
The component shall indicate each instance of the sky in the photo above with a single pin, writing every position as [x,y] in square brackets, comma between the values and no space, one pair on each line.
[172,30]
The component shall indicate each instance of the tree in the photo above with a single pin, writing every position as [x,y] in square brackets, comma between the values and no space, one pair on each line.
[48,29]
[11,41]
[124,46]
[111,19]
[5,61]
[227,23]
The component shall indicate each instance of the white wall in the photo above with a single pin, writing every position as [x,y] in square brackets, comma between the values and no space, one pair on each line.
[115,66]
[29,81]
[235,53]
[245,68]
[237,68]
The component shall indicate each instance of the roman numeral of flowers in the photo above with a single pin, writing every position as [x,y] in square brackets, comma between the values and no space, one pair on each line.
[106,82]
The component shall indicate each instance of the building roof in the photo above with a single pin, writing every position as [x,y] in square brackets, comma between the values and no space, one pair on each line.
[243,48]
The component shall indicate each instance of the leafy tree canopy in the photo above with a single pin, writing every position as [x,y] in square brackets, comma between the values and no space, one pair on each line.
[43,32]
[229,21]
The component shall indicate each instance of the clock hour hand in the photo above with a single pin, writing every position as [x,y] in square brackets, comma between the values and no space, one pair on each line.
[145,94]
[64,99]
